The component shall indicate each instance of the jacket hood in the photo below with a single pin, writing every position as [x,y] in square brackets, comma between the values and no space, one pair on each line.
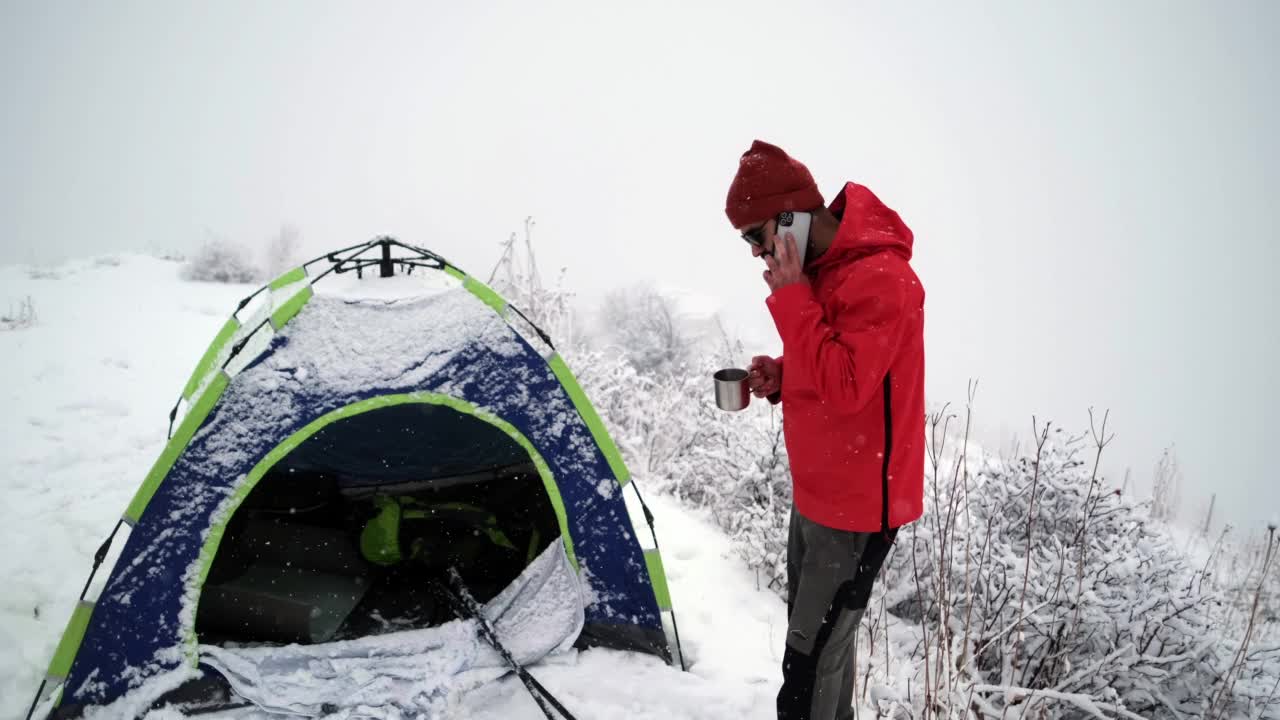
[866,226]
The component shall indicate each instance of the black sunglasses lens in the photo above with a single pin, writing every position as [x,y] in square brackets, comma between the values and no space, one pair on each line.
[755,237]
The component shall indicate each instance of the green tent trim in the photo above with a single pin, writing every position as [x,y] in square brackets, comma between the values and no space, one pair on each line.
[658,576]
[191,422]
[210,356]
[591,418]
[290,277]
[69,645]
[291,307]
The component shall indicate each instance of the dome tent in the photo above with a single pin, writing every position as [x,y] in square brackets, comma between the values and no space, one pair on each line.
[307,412]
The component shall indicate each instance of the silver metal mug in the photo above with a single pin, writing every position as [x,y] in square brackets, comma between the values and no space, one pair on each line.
[731,389]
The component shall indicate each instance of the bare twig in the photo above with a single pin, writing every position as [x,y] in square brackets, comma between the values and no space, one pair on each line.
[1222,697]
[1084,702]
[1042,436]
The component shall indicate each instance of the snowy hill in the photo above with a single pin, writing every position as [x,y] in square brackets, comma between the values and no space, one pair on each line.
[89,386]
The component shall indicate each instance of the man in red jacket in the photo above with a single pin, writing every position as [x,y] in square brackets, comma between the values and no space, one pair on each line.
[850,312]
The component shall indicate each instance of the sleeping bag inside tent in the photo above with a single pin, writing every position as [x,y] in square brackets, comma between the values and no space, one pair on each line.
[361,426]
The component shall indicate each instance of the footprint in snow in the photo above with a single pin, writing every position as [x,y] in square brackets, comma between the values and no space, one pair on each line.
[205,310]
[61,459]
[50,372]
[98,407]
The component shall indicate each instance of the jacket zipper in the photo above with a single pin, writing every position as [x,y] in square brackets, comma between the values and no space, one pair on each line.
[888,448]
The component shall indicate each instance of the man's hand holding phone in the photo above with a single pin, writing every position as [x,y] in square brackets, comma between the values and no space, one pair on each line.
[786,264]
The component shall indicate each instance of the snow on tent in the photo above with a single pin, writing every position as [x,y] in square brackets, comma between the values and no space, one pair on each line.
[344,443]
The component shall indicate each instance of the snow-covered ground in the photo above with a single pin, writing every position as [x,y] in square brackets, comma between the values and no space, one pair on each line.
[87,390]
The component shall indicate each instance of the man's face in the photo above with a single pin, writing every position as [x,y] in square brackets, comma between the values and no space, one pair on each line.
[760,236]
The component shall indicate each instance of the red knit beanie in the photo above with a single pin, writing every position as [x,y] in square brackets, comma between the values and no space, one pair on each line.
[768,182]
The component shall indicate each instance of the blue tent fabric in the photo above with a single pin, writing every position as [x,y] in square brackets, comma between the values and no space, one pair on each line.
[405,444]
[449,344]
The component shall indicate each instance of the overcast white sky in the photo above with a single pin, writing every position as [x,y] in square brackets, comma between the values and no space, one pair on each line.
[1092,185]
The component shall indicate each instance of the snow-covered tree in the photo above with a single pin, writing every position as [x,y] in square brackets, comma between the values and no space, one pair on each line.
[1166,487]
[642,324]
[517,278]
[282,250]
[19,317]
[220,260]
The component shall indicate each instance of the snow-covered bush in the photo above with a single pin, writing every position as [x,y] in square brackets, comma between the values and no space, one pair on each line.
[20,317]
[641,323]
[517,278]
[747,486]
[1040,589]
[674,437]
[44,273]
[223,261]
[282,251]
[1166,487]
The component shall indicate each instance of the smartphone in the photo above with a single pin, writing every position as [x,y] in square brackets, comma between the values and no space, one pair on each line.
[796,223]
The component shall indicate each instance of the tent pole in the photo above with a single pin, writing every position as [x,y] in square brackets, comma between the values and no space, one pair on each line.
[648,516]
[386,269]
[466,607]
[98,557]
[36,700]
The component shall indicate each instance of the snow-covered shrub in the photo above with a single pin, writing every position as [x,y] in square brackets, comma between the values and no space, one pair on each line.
[1249,580]
[221,261]
[748,488]
[671,433]
[660,409]
[20,317]
[1166,487]
[44,273]
[517,278]
[642,324]
[675,438]
[282,251]
[1041,589]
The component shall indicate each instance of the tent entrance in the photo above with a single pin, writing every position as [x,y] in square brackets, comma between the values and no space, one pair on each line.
[347,535]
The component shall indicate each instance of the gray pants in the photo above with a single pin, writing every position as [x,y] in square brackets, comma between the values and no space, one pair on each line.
[829,578]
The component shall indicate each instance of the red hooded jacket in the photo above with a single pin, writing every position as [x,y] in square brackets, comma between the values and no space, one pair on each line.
[853,377]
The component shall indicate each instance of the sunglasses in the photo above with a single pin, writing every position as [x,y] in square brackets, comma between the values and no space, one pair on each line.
[754,236]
